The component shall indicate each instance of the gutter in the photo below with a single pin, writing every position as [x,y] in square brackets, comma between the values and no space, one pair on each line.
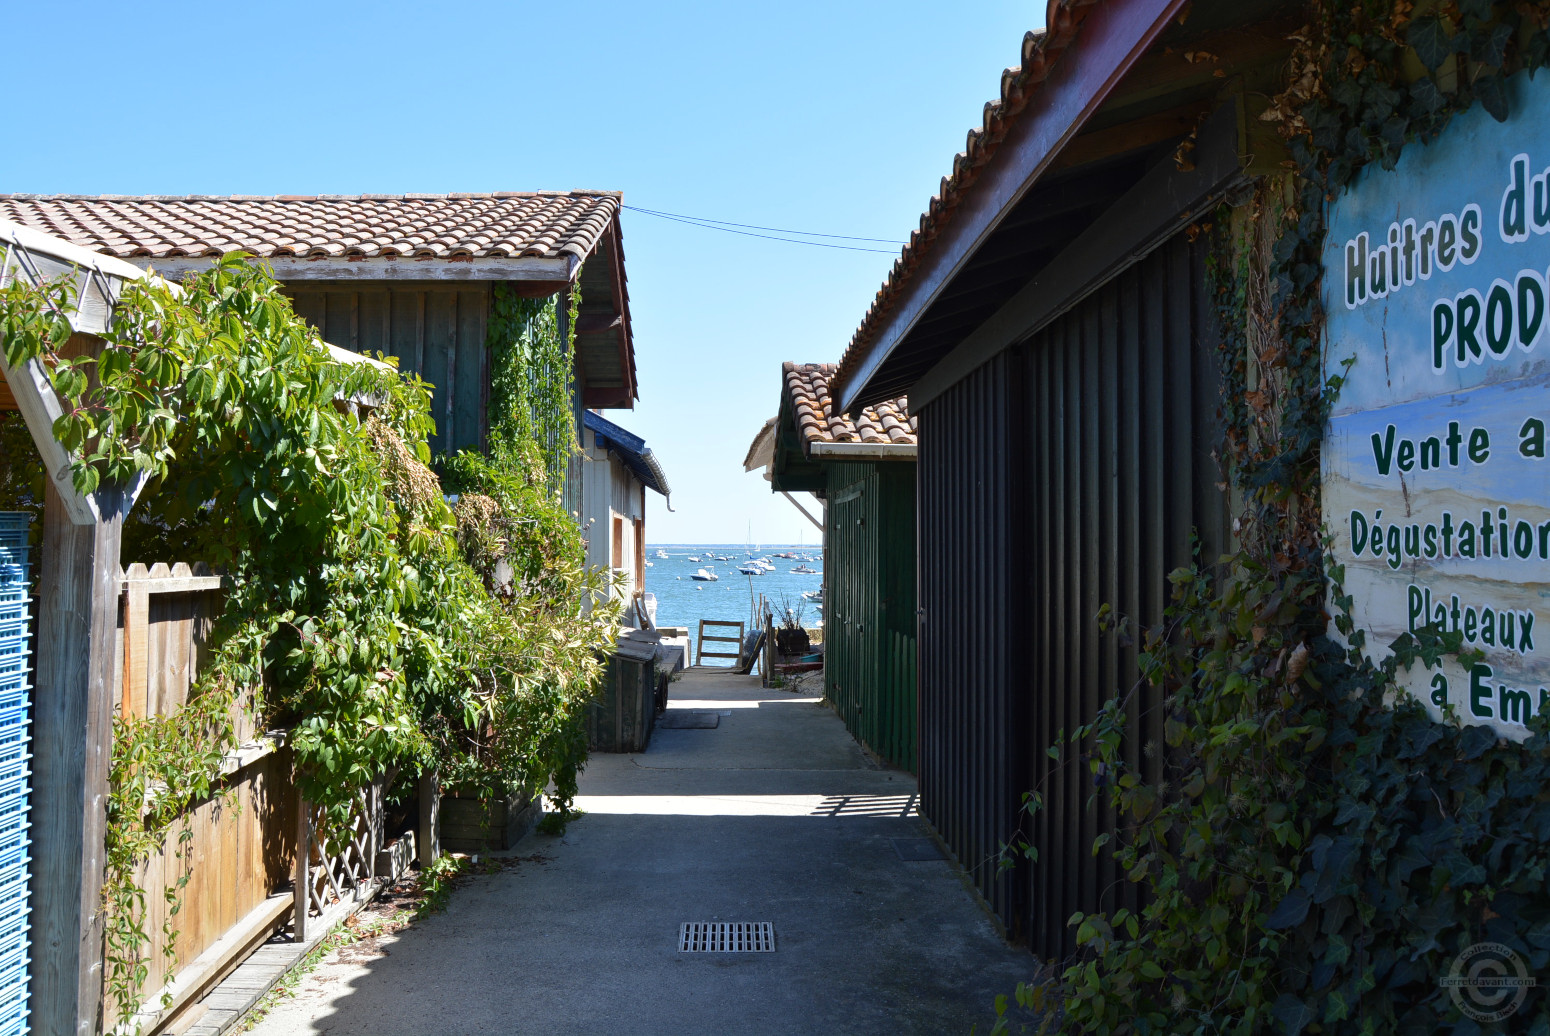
[863,450]
[650,460]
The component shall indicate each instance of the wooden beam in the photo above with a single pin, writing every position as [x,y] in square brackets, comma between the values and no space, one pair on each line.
[1201,63]
[605,396]
[622,305]
[40,406]
[301,876]
[1149,131]
[430,817]
[137,623]
[597,323]
[797,504]
[35,257]
[1156,208]
[72,739]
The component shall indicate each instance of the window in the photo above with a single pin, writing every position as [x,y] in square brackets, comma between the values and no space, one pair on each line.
[640,554]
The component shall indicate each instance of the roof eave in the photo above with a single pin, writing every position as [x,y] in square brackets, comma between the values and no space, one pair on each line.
[861,451]
[1112,37]
[555,271]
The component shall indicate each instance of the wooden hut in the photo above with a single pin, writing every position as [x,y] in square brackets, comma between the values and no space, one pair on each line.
[411,276]
[863,468]
[1051,326]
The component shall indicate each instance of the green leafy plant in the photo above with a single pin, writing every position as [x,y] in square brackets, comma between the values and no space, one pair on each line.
[381,629]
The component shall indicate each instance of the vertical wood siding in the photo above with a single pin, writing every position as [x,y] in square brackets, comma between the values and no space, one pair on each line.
[435,331]
[869,615]
[1068,473]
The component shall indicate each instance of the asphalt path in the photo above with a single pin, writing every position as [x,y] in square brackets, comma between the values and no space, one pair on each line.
[774,815]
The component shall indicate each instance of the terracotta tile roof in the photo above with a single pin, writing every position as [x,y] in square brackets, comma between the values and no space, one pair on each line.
[546,224]
[807,385]
[1041,50]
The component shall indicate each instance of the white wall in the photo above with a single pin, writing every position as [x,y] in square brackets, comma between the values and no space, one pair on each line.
[610,491]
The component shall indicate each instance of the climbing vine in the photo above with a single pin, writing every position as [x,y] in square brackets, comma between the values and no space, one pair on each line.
[1318,850]
[531,362]
[386,632]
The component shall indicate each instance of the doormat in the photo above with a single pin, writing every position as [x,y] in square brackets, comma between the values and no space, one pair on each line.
[726,937]
[916,849]
[683,719]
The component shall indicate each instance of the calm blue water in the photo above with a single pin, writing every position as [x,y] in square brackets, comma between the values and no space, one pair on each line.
[682,601]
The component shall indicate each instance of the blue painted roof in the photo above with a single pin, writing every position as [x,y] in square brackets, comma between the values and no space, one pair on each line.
[629,448]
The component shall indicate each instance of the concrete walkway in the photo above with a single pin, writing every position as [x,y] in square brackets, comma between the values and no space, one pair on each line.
[774,815]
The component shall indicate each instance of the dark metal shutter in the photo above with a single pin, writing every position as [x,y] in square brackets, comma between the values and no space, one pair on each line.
[1067,473]
[15,637]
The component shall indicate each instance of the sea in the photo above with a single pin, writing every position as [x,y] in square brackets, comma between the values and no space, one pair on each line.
[684,601]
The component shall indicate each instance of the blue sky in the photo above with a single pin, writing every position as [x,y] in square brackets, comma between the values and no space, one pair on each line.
[832,117]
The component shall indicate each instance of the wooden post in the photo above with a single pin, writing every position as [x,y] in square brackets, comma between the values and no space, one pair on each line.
[137,619]
[430,817]
[302,878]
[72,741]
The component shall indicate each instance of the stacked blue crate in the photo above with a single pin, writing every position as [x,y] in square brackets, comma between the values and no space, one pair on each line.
[15,635]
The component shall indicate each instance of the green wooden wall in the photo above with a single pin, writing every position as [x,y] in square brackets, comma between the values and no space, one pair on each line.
[435,330]
[869,604]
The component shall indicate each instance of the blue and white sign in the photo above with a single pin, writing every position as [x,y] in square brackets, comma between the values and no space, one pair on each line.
[1436,484]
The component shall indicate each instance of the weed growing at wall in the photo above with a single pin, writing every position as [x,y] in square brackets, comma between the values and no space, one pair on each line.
[1319,851]
[355,618]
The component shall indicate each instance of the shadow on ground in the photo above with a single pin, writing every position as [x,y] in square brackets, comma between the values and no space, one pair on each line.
[585,939]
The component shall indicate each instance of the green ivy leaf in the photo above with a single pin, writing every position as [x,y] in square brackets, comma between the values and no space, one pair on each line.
[1290,911]
[1431,41]
[1292,1014]
[1491,92]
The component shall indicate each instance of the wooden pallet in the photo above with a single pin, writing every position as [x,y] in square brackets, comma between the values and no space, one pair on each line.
[700,654]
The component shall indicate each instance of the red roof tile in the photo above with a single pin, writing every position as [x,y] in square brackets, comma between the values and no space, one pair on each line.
[545,224]
[807,386]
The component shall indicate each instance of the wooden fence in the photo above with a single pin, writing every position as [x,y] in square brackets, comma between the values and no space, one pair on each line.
[238,850]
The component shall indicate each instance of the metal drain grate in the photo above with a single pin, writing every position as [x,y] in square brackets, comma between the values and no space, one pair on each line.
[726,937]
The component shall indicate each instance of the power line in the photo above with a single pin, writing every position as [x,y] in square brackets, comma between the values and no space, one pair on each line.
[727,228]
[773,230]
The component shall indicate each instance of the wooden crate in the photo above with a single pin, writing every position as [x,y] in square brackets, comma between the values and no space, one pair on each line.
[621,717]
[470,824]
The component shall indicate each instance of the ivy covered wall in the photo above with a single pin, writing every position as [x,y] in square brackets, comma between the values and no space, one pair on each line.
[1320,854]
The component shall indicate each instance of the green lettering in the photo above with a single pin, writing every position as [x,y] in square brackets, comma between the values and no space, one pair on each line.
[1531,438]
[1480,691]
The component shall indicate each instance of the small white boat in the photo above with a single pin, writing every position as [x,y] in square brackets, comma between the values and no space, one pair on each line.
[694,559]
[661,555]
[805,571]
[751,570]
[705,575]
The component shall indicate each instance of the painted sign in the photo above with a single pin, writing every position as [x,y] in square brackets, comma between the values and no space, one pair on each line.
[1436,486]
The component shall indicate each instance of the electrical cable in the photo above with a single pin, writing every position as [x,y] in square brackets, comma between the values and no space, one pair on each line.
[726,227]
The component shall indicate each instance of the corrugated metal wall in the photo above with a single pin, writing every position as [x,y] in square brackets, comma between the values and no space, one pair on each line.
[1067,473]
[435,330]
[869,608]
